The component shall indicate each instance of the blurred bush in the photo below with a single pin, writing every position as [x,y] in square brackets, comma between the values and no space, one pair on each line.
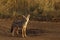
[57,6]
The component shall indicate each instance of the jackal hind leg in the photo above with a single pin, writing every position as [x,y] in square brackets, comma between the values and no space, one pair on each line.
[14,31]
[17,30]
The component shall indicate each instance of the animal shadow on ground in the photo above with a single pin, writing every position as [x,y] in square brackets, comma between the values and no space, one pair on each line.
[35,32]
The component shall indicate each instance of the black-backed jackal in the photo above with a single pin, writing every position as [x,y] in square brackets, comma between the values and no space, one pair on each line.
[20,24]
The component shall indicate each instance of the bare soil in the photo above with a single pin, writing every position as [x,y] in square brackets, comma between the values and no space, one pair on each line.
[36,30]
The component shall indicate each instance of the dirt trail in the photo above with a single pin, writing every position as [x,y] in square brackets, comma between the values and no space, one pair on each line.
[36,31]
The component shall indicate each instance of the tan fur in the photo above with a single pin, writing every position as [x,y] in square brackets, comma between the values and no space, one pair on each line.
[24,32]
[15,30]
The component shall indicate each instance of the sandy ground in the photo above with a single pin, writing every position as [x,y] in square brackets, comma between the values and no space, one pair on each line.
[35,31]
